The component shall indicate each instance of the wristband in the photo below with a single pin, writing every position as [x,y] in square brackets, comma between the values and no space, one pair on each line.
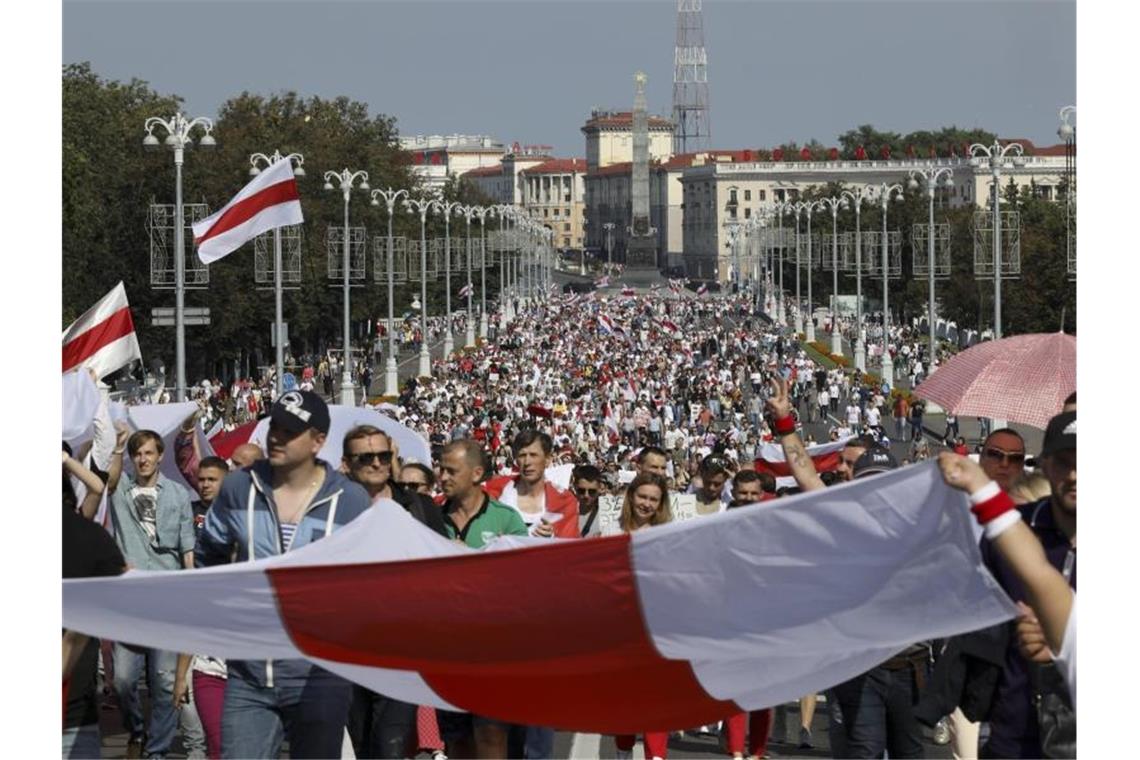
[784,425]
[993,507]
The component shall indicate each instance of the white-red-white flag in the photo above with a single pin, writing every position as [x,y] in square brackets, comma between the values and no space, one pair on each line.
[466,290]
[825,458]
[702,289]
[104,337]
[269,201]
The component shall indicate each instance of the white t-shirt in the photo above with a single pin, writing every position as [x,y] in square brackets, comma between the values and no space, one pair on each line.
[872,417]
[145,501]
[853,414]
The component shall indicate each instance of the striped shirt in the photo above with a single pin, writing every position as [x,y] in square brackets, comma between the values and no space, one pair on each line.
[288,530]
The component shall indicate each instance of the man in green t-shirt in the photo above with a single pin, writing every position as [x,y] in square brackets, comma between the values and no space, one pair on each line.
[473,518]
[470,515]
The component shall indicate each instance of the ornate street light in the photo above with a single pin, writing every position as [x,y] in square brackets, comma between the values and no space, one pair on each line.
[422,206]
[447,208]
[930,178]
[346,179]
[998,156]
[835,203]
[179,136]
[884,193]
[298,171]
[391,373]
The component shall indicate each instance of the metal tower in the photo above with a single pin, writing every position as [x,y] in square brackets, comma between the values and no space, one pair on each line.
[690,81]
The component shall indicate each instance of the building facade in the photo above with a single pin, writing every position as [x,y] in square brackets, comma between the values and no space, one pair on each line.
[725,190]
[554,194]
[435,158]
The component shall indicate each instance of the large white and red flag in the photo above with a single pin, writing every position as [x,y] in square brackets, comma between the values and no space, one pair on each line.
[269,201]
[703,618]
[104,337]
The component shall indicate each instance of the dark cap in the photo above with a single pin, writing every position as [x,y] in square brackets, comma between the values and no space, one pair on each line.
[297,411]
[714,463]
[1061,434]
[873,461]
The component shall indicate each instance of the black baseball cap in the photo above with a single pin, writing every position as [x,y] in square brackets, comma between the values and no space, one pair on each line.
[873,461]
[297,411]
[1060,434]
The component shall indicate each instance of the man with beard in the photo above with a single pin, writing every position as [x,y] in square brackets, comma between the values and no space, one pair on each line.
[1013,718]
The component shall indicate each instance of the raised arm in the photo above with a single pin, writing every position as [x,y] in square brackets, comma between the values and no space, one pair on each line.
[779,407]
[186,452]
[94,485]
[122,434]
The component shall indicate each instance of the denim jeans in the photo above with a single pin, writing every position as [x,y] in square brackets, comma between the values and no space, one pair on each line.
[193,734]
[312,711]
[877,710]
[160,666]
[539,743]
[82,742]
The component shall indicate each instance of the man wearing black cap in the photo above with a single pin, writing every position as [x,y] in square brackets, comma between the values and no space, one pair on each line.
[273,506]
[1013,717]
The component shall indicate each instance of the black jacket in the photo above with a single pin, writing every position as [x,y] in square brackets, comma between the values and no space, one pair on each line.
[420,507]
[965,675]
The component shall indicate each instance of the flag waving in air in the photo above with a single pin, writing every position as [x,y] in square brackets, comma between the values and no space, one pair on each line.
[704,288]
[466,290]
[269,201]
[104,337]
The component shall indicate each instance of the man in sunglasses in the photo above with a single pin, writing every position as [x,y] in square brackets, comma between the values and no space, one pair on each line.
[380,726]
[417,477]
[370,458]
[1003,457]
[586,483]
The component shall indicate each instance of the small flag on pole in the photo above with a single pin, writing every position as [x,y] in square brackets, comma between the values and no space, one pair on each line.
[704,288]
[466,290]
[104,337]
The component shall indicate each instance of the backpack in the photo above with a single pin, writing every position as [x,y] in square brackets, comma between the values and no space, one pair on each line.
[1056,719]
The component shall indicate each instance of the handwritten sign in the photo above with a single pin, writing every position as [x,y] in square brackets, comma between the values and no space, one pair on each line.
[683,506]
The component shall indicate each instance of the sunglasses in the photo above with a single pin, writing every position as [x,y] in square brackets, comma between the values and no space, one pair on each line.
[368,457]
[587,491]
[1003,457]
[412,485]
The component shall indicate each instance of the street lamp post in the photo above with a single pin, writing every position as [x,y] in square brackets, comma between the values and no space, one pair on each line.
[346,179]
[930,178]
[998,156]
[298,171]
[835,203]
[732,231]
[609,228]
[422,206]
[447,208]
[179,136]
[481,213]
[391,375]
[798,208]
[782,207]
[467,212]
[888,366]
[1068,132]
[811,206]
[856,197]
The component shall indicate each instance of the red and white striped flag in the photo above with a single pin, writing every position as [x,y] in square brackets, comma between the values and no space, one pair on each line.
[269,201]
[825,457]
[627,291]
[602,282]
[466,290]
[888,560]
[104,337]
[704,288]
[670,327]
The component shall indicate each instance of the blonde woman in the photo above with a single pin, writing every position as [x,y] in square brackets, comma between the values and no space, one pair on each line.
[646,504]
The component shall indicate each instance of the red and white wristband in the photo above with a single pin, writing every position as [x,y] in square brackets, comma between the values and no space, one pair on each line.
[994,510]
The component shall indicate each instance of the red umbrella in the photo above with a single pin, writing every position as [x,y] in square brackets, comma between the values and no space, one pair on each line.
[1022,379]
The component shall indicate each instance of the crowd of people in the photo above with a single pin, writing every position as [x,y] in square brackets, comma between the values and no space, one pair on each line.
[639,399]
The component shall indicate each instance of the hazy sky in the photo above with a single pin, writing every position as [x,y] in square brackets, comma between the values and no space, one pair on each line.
[531,71]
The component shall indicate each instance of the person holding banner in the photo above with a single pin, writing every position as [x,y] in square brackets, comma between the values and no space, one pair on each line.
[646,503]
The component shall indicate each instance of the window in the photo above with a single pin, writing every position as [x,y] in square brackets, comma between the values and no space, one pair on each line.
[762,194]
[747,213]
[566,242]
[732,196]
[556,213]
[747,195]
[566,228]
[546,212]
